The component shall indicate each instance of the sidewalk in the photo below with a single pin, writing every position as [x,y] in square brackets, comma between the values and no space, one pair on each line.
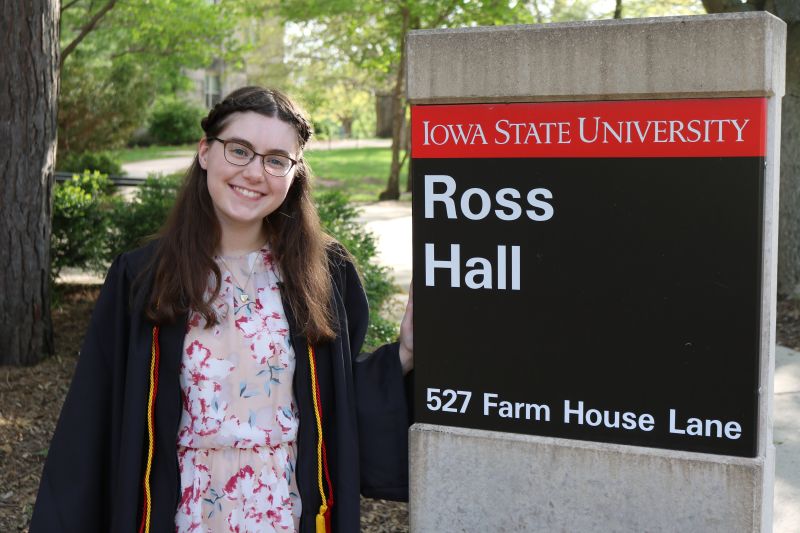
[167,165]
[390,221]
[786,436]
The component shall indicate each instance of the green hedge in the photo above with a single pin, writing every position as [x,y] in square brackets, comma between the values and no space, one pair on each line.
[103,162]
[83,210]
[92,225]
[144,215]
[338,218]
[175,121]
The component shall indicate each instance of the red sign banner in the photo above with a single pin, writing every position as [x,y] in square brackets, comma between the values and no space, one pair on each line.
[721,127]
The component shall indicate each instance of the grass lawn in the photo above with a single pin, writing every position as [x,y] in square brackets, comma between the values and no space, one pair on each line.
[361,173]
[144,153]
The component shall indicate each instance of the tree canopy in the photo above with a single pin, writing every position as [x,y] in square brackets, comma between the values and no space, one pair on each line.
[370,35]
[117,56]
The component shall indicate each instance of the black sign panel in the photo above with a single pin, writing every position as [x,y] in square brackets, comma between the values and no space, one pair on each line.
[612,299]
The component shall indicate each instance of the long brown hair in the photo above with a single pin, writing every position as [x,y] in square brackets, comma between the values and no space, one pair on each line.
[191,236]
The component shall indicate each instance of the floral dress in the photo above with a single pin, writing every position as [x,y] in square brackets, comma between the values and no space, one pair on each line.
[237,436]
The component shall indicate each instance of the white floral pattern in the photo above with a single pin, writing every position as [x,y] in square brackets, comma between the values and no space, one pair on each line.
[238,430]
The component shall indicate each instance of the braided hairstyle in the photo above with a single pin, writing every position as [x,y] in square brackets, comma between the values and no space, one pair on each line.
[191,235]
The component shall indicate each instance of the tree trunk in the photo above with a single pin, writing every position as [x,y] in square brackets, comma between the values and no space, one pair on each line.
[347,127]
[392,191]
[407,148]
[28,136]
[789,220]
[789,224]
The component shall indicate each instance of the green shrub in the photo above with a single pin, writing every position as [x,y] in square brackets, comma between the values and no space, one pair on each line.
[103,162]
[339,219]
[145,214]
[175,121]
[100,103]
[91,226]
[140,138]
[326,129]
[82,222]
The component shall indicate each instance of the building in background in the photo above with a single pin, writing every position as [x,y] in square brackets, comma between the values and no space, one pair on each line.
[263,64]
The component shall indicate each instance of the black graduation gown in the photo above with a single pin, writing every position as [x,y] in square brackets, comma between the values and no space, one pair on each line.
[93,476]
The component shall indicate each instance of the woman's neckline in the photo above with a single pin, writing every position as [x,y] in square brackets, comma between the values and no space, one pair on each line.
[262,248]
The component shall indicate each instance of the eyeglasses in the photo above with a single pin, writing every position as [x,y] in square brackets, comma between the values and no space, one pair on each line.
[241,155]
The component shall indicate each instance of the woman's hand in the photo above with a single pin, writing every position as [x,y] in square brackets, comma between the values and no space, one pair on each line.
[407,335]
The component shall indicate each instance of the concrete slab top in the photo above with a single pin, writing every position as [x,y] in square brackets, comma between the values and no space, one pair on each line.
[672,57]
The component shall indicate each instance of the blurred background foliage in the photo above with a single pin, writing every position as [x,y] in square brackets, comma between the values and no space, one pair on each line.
[174,121]
[124,64]
[119,57]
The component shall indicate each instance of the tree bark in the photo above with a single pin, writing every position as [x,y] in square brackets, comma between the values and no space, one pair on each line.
[392,191]
[789,218]
[30,62]
[407,154]
[789,223]
[347,127]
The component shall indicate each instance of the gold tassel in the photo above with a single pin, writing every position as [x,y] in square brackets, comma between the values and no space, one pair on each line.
[321,518]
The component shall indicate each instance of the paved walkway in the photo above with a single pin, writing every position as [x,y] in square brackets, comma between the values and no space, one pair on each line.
[391,223]
[787,441]
[166,165]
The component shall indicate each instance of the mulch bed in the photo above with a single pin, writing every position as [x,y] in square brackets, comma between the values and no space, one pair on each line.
[30,401]
[31,398]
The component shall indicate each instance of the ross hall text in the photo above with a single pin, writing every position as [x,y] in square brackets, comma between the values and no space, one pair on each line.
[500,271]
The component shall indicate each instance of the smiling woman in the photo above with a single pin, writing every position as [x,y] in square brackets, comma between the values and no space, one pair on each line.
[209,345]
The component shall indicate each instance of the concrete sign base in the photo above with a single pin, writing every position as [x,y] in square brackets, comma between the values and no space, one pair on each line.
[475,480]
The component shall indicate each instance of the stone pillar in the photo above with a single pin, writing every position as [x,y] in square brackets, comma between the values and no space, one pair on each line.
[478,480]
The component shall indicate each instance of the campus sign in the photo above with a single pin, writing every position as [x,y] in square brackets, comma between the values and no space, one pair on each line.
[591,270]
